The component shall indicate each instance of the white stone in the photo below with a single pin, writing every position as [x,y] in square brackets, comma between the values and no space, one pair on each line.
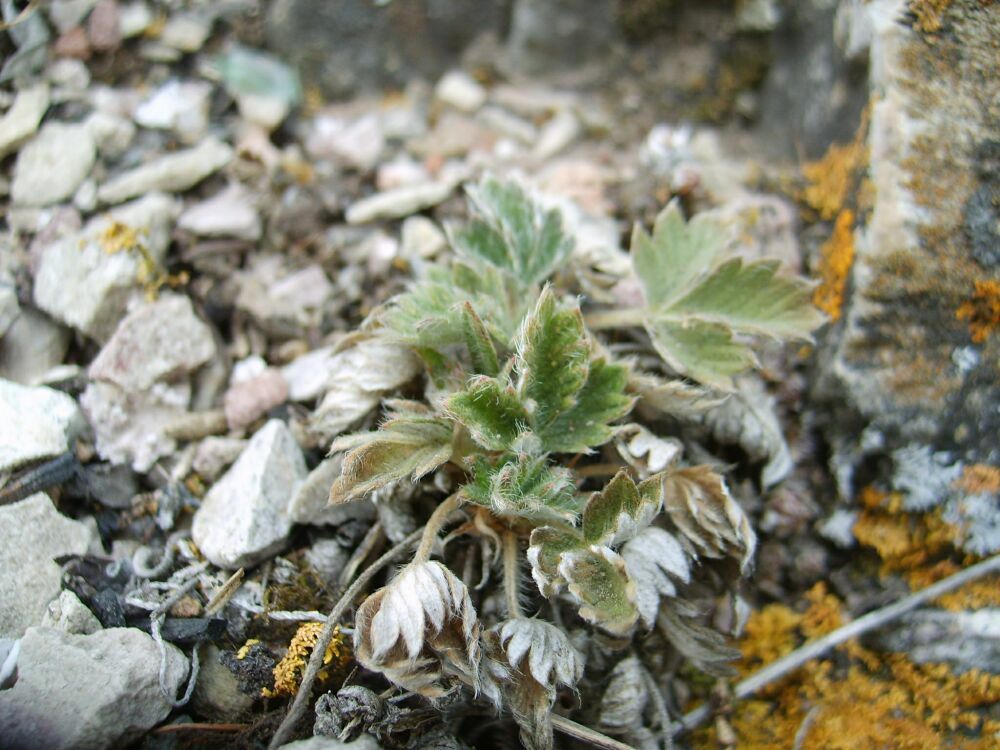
[65,14]
[215,454]
[158,340]
[171,173]
[557,134]
[307,375]
[10,308]
[320,742]
[87,691]
[21,121]
[357,142]
[35,423]
[68,614]
[70,78]
[395,204]
[51,167]
[178,106]
[244,517]
[460,90]
[422,239]
[509,124]
[230,213]
[284,304]
[111,133]
[134,19]
[838,527]
[85,197]
[32,534]
[186,32]
[81,284]
[310,504]
[267,112]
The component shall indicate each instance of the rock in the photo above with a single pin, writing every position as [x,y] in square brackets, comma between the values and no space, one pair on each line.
[556,135]
[73,44]
[461,91]
[395,204]
[400,171]
[160,340]
[265,89]
[215,454]
[965,640]
[10,308]
[308,375]
[35,423]
[249,400]
[509,124]
[82,284]
[364,742]
[21,121]
[186,31]
[133,426]
[70,615]
[244,517]
[229,213]
[171,173]
[51,167]
[838,527]
[32,534]
[112,134]
[356,142]
[557,35]
[69,77]
[179,106]
[87,691]
[422,239]
[85,197]
[217,693]
[67,14]
[454,135]
[284,304]
[104,26]
[310,504]
[134,18]
[377,47]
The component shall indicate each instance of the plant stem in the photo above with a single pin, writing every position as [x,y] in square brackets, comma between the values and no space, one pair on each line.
[433,527]
[809,651]
[586,734]
[511,574]
[626,318]
[319,650]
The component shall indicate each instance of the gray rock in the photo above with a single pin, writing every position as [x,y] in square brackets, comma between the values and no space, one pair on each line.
[399,202]
[284,304]
[112,134]
[215,454]
[557,35]
[171,173]
[178,106]
[310,504]
[83,285]
[35,423]
[32,533]
[87,692]
[377,46]
[70,615]
[217,693]
[357,142]
[308,375]
[230,213]
[364,742]
[10,308]
[244,517]
[838,527]
[159,340]
[51,167]
[965,640]
[21,121]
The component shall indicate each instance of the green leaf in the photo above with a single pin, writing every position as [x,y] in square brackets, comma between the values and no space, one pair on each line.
[428,315]
[601,400]
[675,256]
[523,486]
[411,443]
[753,299]
[545,549]
[479,343]
[706,352]
[552,359]
[597,579]
[491,411]
[619,511]
[513,233]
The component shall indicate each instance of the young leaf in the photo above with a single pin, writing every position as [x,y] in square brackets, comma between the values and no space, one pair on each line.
[491,411]
[655,560]
[585,425]
[513,233]
[552,359]
[523,486]
[410,443]
[619,511]
[704,351]
[596,577]
[479,343]
[545,548]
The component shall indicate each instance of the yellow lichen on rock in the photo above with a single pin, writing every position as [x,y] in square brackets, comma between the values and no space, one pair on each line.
[836,259]
[288,672]
[928,14]
[982,310]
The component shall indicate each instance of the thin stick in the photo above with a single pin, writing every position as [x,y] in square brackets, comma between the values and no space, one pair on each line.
[221,597]
[433,527]
[298,706]
[809,651]
[586,734]
[195,727]
[511,574]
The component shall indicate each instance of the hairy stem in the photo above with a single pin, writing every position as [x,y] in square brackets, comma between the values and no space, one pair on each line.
[603,319]
[876,619]
[298,706]
[511,574]
[433,527]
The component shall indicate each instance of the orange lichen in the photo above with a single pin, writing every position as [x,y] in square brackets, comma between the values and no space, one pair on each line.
[982,310]
[978,478]
[836,259]
[824,613]
[119,237]
[832,177]
[288,672]
[902,540]
[770,633]
[928,14]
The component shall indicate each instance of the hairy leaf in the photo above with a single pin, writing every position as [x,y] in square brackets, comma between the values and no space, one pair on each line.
[479,343]
[410,443]
[704,351]
[596,578]
[619,512]
[491,411]
[707,649]
[601,400]
[655,561]
[513,233]
[545,548]
[625,697]
[523,486]
[675,398]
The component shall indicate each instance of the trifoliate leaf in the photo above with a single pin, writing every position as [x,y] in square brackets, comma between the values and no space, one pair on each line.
[411,443]
[545,548]
[655,562]
[524,486]
[491,411]
[596,577]
[625,697]
[619,512]
[553,356]
[674,398]
[513,233]
[601,400]
[707,649]
[479,343]
[706,352]
[678,253]
[428,314]
[708,521]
